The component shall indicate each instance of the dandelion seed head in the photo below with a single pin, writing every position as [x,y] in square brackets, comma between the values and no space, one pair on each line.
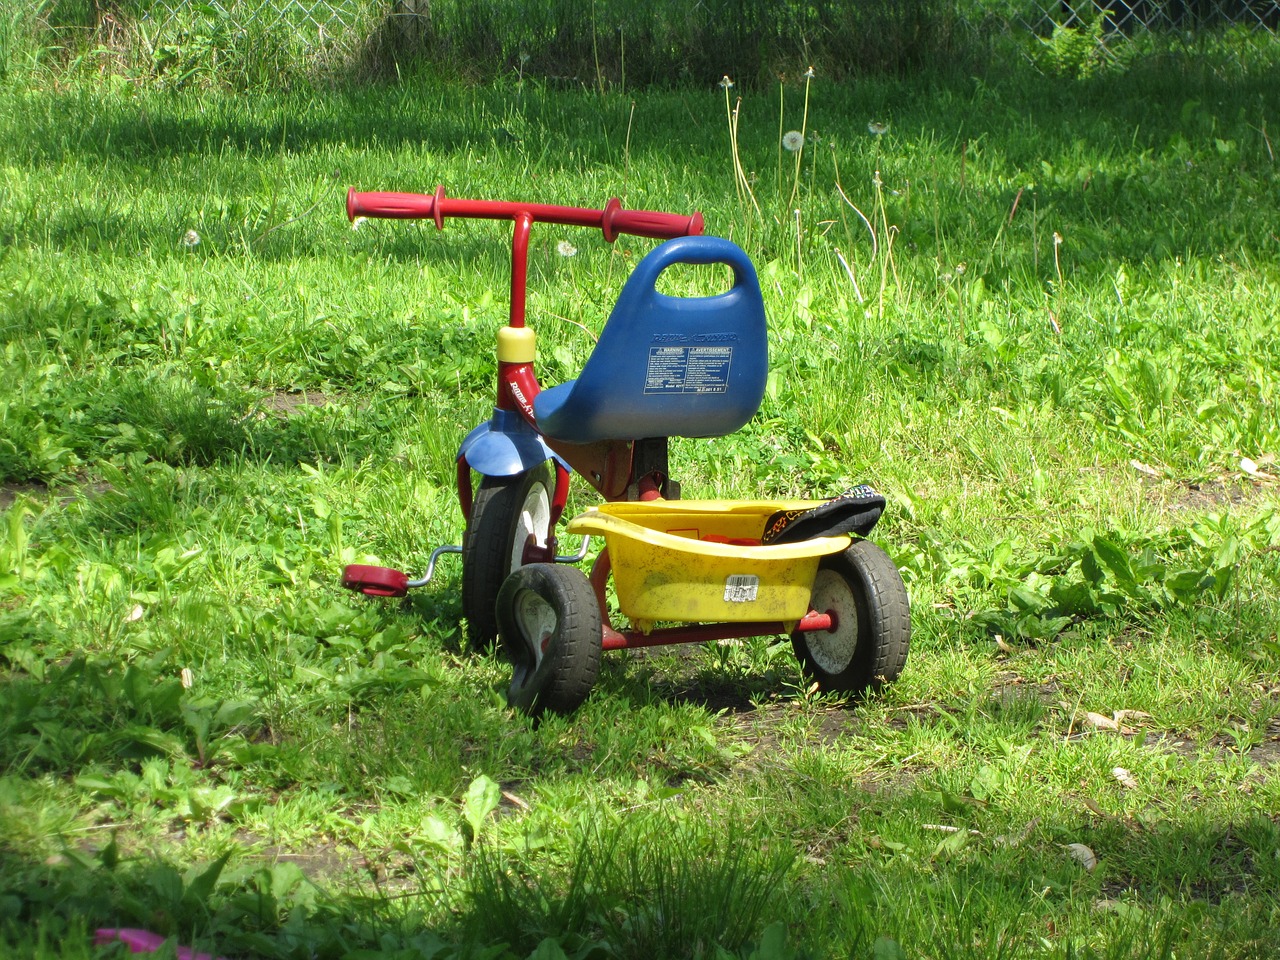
[809,74]
[358,222]
[725,82]
[877,129]
[191,239]
[793,140]
[1057,238]
[566,249]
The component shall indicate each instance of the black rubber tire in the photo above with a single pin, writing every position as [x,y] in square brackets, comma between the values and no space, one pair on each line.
[868,646]
[505,510]
[552,633]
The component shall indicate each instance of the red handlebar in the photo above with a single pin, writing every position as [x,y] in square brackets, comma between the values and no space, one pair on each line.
[612,220]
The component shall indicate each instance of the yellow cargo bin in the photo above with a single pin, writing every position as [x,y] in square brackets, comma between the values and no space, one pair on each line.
[664,568]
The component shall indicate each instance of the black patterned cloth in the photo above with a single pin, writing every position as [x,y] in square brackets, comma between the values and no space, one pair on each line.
[854,511]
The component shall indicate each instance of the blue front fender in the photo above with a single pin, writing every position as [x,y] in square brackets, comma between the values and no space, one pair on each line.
[504,446]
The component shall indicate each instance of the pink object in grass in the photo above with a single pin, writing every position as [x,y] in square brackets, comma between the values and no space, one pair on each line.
[144,941]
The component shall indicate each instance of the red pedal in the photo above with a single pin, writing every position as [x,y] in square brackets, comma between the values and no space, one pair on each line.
[375,581]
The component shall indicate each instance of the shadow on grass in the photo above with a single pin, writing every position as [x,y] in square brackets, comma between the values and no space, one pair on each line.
[835,866]
[172,420]
[1147,165]
[1057,110]
[663,885]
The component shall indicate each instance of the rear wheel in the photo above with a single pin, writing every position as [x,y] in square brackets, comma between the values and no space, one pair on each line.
[505,514]
[551,631]
[867,645]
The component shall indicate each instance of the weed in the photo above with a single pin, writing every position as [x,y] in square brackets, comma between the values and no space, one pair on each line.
[646,888]
[1077,50]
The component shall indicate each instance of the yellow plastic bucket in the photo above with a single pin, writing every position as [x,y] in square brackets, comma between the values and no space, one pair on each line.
[665,568]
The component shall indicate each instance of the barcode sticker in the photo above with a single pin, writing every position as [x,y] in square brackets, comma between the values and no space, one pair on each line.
[741,588]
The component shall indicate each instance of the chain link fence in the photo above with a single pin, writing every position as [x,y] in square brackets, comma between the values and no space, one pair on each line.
[247,42]
[1127,17]
[319,21]
[322,16]
[1151,16]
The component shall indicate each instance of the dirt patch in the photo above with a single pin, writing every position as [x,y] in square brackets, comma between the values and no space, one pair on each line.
[1010,688]
[1208,495]
[1265,754]
[686,674]
[319,863]
[759,724]
[722,698]
[287,403]
[325,861]
[10,492]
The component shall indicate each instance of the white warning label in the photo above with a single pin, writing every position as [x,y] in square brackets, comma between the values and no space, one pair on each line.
[688,370]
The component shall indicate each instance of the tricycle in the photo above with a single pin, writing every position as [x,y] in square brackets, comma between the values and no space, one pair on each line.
[683,571]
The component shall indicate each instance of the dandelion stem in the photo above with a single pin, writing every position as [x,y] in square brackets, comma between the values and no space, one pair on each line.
[804,129]
[852,279]
[888,231]
[581,326]
[782,111]
[1014,209]
[740,182]
[270,230]
[595,50]
[885,264]
[626,152]
[875,244]
[893,264]
[799,247]
[742,174]
[733,140]
[1035,235]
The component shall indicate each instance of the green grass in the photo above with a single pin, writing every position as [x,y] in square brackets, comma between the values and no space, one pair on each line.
[1074,437]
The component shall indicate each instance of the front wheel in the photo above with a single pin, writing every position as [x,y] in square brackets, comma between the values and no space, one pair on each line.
[551,631]
[867,646]
[505,514]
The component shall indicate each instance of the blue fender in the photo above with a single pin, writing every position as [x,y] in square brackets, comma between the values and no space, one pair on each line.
[504,446]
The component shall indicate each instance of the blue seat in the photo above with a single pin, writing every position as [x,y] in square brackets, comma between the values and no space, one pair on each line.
[668,366]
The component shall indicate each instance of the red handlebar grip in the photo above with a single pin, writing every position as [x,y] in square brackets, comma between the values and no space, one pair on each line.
[393,206]
[647,223]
